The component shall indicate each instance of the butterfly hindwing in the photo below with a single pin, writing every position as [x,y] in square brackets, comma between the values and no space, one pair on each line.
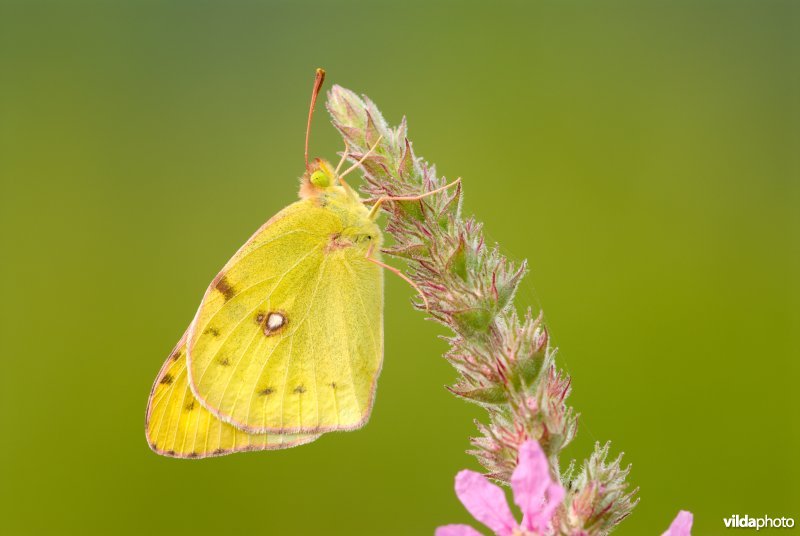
[177,425]
[289,336]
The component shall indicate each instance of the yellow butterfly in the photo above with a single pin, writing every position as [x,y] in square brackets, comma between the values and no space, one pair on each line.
[288,340]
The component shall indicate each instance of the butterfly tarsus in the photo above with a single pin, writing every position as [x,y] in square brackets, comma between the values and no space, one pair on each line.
[381,200]
[345,154]
[395,271]
[361,160]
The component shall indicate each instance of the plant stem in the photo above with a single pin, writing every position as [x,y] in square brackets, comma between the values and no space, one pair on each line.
[505,361]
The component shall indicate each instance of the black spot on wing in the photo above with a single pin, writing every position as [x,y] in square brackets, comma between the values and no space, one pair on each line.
[167,379]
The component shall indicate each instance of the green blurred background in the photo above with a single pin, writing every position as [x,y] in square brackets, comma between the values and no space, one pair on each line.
[641,155]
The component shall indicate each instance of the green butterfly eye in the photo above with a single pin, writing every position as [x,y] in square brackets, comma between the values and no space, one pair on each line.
[319,178]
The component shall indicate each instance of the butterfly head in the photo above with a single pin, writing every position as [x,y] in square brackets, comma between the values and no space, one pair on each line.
[320,179]
[324,175]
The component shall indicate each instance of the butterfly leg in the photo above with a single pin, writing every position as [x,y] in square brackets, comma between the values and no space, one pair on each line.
[361,161]
[345,154]
[374,212]
[395,271]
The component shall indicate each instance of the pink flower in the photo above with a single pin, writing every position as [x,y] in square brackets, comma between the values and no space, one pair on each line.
[681,526]
[535,492]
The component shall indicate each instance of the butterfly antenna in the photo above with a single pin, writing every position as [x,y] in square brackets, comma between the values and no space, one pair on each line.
[318,79]
[354,166]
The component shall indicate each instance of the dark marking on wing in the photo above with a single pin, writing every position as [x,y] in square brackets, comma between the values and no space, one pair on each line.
[167,379]
[266,391]
[214,332]
[190,406]
[333,385]
[192,455]
[219,451]
[337,242]
[175,356]
[225,288]
[225,362]
[299,389]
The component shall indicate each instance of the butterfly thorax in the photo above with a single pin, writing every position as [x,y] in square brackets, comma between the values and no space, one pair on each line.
[320,186]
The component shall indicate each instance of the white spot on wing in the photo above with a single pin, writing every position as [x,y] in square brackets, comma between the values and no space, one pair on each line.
[275,320]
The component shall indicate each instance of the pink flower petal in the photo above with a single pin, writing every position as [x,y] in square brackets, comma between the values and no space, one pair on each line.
[555,494]
[530,478]
[531,482]
[457,530]
[485,501]
[682,525]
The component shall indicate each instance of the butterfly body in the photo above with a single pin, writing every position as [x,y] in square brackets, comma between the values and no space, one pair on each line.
[288,340]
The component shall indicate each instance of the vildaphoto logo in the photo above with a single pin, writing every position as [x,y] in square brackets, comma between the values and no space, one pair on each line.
[746,522]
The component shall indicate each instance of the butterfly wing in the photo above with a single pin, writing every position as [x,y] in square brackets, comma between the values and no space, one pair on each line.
[177,425]
[289,336]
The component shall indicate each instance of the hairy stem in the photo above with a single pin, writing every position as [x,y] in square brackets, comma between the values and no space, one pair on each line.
[505,361]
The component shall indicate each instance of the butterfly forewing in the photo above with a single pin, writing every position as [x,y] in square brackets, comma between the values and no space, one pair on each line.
[289,336]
